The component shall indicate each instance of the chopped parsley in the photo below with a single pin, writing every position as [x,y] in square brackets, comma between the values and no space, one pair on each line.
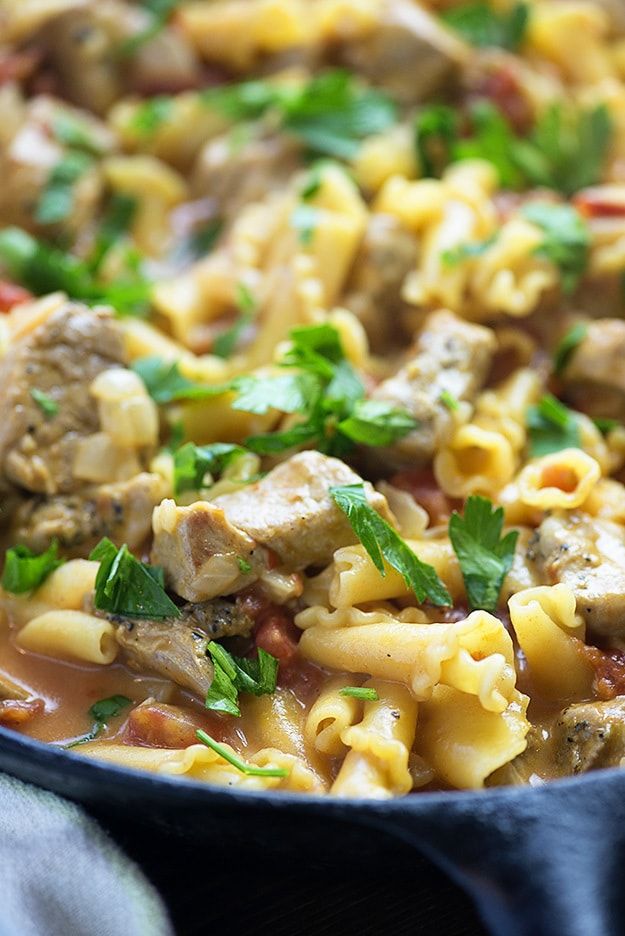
[455,255]
[160,11]
[382,543]
[249,769]
[126,586]
[238,674]
[567,346]
[57,198]
[482,26]
[567,239]
[193,462]
[449,400]
[46,404]
[360,692]
[166,384]
[552,427]
[244,566]
[43,269]
[331,114]
[605,424]
[485,556]
[114,225]
[76,133]
[101,712]
[25,570]
[226,344]
[151,114]
[305,219]
[436,134]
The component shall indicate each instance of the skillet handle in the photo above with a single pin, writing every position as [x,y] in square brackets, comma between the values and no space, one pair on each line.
[537,862]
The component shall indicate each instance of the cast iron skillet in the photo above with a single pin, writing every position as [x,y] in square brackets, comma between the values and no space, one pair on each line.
[544,861]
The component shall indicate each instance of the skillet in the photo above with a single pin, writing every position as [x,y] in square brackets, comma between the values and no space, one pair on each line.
[541,861]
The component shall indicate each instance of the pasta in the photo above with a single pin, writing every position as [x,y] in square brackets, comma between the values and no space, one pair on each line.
[312,329]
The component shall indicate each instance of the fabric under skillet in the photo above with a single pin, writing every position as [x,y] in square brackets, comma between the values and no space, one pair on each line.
[61,875]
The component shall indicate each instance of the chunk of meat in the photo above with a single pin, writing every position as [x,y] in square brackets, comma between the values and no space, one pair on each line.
[234,176]
[155,724]
[17,712]
[589,736]
[387,254]
[594,376]
[121,511]
[85,47]
[59,357]
[588,555]
[202,554]
[424,488]
[451,356]
[176,648]
[291,512]
[407,51]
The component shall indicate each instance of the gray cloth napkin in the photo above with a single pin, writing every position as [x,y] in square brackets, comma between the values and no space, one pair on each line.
[60,875]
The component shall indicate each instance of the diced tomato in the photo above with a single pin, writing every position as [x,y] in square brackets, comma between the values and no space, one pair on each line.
[423,486]
[601,201]
[504,89]
[11,295]
[276,634]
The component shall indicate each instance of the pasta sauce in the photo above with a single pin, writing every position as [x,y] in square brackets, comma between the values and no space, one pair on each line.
[312,451]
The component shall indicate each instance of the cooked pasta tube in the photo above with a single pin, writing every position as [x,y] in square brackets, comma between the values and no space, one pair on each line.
[71,635]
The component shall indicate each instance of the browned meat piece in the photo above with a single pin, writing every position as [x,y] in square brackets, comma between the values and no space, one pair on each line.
[155,724]
[291,512]
[590,735]
[588,555]
[121,511]
[176,648]
[59,357]
[236,176]
[451,356]
[202,554]
[85,46]
[386,256]
[594,377]
[408,52]
[17,712]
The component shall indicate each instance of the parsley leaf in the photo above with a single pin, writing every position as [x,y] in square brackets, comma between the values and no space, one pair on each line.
[382,542]
[76,133]
[101,712]
[493,139]
[166,384]
[449,400]
[44,269]
[573,338]
[150,115]
[360,692]
[239,674]
[436,134]
[249,769]
[331,114]
[227,342]
[25,570]
[159,11]
[482,26]
[46,404]
[193,462]
[567,239]
[115,223]
[376,423]
[456,255]
[552,427]
[128,587]
[57,199]
[290,393]
[485,557]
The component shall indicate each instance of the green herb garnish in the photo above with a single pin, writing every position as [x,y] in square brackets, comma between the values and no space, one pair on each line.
[57,199]
[482,26]
[360,692]
[128,587]
[160,11]
[567,239]
[193,462]
[46,404]
[573,338]
[552,427]
[249,769]
[485,556]
[25,570]
[101,712]
[382,543]
[449,400]
[238,674]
